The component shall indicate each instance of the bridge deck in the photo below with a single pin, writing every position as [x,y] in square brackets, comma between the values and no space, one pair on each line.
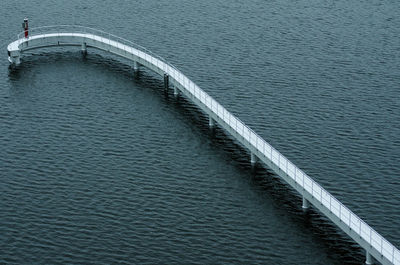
[374,244]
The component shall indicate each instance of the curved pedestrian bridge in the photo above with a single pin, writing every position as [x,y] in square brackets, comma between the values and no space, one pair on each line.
[376,247]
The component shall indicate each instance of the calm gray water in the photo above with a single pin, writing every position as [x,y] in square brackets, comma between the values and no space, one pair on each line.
[100,167]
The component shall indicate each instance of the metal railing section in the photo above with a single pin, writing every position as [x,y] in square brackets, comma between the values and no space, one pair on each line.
[105,37]
[378,242]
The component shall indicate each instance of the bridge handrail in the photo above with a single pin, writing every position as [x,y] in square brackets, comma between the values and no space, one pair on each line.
[378,242]
[86,30]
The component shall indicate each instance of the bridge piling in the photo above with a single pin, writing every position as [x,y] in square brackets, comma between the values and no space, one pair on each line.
[135,67]
[84,48]
[253,159]
[166,82]
[14,57]
[176,92]
[368,259]
[211,122]
[306,204]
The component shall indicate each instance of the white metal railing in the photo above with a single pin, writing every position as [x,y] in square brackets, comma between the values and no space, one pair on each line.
[107,37]
[378,242]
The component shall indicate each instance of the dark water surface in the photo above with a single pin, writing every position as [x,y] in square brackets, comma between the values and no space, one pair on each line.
[100,167]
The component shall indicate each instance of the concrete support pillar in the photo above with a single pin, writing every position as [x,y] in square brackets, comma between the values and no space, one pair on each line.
[306,204]
[368,258]
[166,81]
[253,159]
[16,60]
[84,48]
[211,122]
[176,92]
[135,67]
[14,57]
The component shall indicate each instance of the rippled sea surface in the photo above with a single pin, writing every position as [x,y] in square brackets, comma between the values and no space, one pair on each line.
[98,166]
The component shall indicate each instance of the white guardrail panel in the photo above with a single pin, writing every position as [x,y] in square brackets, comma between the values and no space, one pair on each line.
[335,206]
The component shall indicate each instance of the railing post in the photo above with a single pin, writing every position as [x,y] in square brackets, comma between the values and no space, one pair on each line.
[287,167]
[279,161]
[350,220]
[271,154]
[321,197]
